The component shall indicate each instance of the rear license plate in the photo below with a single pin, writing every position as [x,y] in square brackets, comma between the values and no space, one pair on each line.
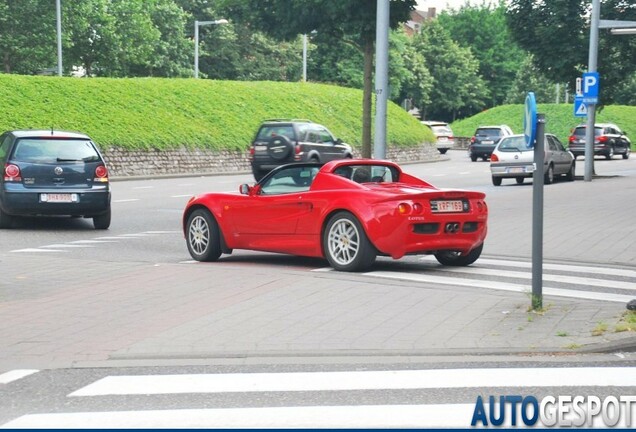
[442,139]
[488,142]
[447,206]
[58,198]
[516,170]
[260,148]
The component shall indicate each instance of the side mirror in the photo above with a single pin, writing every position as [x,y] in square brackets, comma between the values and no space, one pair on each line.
[338,141]
[244,189]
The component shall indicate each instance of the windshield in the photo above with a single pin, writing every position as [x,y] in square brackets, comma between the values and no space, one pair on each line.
[368,173]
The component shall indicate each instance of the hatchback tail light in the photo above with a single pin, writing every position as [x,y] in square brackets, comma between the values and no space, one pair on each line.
[494,158]
[101,174]
[12,173]
[602,139]
[572,138]
[472,140]
[252,151]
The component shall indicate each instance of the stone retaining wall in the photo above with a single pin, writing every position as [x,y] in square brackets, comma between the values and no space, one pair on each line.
[126,163]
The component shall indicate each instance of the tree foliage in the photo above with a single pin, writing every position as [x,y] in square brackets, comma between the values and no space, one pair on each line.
[557,34]
[530,78]
[484,30]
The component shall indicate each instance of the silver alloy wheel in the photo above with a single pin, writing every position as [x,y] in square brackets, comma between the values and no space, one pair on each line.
[343,242]
[199,235]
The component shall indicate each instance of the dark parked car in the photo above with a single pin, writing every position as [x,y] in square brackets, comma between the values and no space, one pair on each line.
[485,140]
[279,142]
[52,173]
[608,141]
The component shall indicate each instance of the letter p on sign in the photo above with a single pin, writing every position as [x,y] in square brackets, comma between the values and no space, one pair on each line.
[590,84]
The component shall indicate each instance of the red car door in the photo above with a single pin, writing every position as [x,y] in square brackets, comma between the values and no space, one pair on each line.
[264,215]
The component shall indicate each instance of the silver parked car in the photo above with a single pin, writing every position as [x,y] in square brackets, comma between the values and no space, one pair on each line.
[513,159]
[443,135]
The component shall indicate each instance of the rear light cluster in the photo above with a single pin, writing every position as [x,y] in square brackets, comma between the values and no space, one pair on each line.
[252,151]
[101,174]
[12,173]
[494,158]
[407,209]
[481,206]
[298,152]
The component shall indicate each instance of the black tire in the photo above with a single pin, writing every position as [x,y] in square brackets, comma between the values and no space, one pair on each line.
[496,181]
[346,245]
[203,237]
[519,180]
[442,151]
[455,259]
[6,220]
[569,176]
[473,158]
[610,153]
[548,178]
[102,221]
[279,147]
[627,152]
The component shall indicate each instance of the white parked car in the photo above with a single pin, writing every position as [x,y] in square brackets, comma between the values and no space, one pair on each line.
[513,159]
[443,133]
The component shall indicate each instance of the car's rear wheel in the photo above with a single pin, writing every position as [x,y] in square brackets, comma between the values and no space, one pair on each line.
[473,158]
[442,151]
[5,220]
[548,178]
[570,174]
[346,245]
[610,153]
[102,222]
[496,181]
[457,259]
[203,236]
[519,180]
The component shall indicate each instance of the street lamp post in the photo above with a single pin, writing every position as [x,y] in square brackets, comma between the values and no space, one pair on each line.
[58,10]
[197,24]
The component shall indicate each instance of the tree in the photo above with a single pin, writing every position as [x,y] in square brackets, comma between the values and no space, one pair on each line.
[457,89]
[529,78]
[27,36]
[483,29]
[353,20]
[557,34]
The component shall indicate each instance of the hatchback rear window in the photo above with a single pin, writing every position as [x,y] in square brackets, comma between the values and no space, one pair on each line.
[580,131]
[275,130]
[42,150]
[488,132]
[514,144]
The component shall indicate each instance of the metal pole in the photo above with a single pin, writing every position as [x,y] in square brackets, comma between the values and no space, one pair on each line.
[537,215]
[591,108]
[558,91]
[58,12]
[381,77]
[196,49]
[304,58]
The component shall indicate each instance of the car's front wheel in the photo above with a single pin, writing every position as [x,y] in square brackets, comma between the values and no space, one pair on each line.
[457,259]
[627,152]
[548,178]
[346,245]
[203,236]
[102,222]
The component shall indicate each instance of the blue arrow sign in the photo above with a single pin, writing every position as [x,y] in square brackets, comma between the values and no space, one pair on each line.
[530,120]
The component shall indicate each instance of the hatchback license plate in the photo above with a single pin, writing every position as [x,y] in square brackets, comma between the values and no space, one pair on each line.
[447,206]
[56,198]
[517,170]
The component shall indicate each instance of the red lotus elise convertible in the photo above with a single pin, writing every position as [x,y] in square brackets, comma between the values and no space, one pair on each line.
[347,211]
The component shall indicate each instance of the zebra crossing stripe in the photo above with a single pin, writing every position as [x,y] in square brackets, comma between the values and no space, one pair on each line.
[15,375]
[501,286]
[358,380]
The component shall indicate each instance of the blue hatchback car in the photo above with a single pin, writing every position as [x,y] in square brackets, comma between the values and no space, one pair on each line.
[52,173]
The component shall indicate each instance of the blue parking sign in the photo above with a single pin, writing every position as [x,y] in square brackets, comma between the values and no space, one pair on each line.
[590,84]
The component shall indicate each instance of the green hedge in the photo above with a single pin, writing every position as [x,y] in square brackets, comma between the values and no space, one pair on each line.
[560,119]
[145,113]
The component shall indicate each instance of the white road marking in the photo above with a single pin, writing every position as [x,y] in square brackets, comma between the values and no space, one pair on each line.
[126,200]
[501,286]
[91,242]
[182,196]
[16,374]
[162,232]
[67,246]
[359,380]
[546,277]
[143,187]
[37,250]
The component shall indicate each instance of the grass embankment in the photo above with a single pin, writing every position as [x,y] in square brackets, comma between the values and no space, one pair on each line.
[560,119]
[152,113]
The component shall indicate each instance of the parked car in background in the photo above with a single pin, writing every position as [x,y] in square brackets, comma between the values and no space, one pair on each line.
[513,159]
[281,141]
[443,133]
[346,211]
[485,139]
[609,140]
[52,173]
